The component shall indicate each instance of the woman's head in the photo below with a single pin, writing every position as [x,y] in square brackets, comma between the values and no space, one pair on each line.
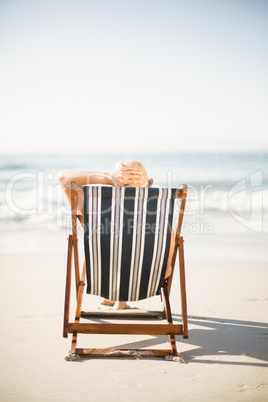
[140,168]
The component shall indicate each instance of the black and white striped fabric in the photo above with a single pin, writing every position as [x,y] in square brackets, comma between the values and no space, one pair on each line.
[127,239]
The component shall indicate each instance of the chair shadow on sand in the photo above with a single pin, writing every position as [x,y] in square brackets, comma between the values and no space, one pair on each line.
[217,340]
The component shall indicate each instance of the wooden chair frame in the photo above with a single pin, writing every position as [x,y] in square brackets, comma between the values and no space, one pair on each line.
[76,327]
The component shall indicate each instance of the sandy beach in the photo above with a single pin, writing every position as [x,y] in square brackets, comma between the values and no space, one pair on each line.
[226,355]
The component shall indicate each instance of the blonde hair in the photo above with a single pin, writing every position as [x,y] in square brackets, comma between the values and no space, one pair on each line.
[139,166]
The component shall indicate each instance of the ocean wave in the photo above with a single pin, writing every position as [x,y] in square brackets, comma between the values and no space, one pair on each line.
[240,202]
[10,167]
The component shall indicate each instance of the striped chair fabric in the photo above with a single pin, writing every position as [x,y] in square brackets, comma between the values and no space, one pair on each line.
[127,239]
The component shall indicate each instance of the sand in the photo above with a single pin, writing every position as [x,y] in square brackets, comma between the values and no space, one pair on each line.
[226,354]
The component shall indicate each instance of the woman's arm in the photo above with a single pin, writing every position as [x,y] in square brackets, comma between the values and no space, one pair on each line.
[124,176]
[82,177]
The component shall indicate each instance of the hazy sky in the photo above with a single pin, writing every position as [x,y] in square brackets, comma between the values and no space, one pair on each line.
[141,75]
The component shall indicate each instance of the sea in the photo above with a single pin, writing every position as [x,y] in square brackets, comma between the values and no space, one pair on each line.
[226,210]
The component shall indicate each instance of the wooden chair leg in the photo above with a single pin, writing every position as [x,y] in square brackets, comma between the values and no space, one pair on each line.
[76,264]
[183,289]
[172,339]
[68,287]
[78,307]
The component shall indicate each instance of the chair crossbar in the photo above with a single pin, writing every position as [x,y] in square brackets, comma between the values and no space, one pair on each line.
[122,353]
[126,329]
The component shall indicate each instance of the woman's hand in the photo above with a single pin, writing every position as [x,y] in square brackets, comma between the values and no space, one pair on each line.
[127,176]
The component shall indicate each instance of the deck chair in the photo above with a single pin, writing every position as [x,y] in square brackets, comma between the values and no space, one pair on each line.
[127,237]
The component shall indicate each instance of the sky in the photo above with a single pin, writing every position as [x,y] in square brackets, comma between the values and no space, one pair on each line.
[133,75]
